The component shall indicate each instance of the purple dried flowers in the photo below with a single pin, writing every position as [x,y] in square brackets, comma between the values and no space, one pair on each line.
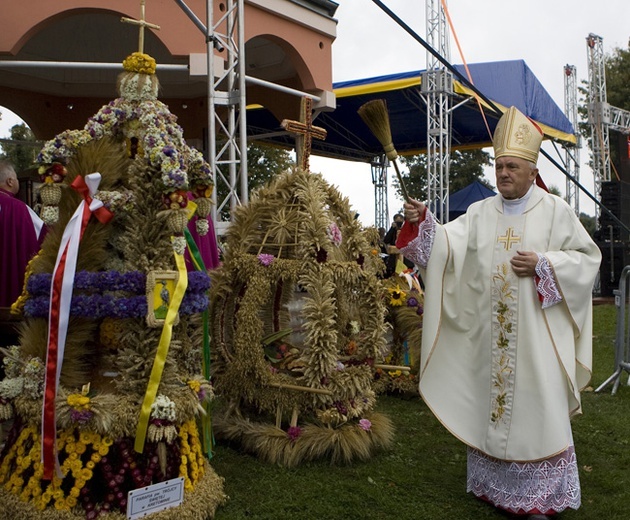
[294,432]
[266,259]
[97,294]
[365,424]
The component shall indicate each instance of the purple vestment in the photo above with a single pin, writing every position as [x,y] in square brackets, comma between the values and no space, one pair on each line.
[18,243]
[207,245]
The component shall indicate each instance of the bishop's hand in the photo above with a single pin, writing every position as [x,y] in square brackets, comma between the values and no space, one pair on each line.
[524,263]
[414,210]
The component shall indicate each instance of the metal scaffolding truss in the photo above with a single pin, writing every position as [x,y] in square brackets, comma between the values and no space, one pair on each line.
[379,166]
[601,116]
[618,119]
[572,155]
[228,148]
[227,134]
[227,125]
[597,101]
[437,91]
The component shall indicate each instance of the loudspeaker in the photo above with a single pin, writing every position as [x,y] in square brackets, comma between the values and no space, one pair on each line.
[615,196]
[623,155]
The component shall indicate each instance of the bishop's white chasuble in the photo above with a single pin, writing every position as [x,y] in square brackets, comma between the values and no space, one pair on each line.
[500,372]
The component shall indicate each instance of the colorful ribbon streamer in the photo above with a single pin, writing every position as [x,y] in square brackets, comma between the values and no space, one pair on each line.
[206,420]
[59,314]
[162,352]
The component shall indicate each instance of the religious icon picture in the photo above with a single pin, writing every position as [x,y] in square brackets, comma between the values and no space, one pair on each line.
[160,288]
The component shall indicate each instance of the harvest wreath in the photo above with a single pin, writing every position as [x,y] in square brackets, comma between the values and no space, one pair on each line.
[298,322]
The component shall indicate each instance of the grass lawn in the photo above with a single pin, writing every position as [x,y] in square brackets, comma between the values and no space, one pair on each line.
[423,476]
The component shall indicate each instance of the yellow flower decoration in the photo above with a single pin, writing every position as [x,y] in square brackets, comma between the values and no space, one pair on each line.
[79,401]
[194,385]
[139,62]
[396,296]
[25,454]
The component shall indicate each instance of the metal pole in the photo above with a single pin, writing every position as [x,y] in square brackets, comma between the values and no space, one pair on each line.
[20,64]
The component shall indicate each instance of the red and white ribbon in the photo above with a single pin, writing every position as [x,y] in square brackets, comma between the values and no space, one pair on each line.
[59,314]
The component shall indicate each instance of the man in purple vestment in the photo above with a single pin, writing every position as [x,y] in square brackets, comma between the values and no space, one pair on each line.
[20,229]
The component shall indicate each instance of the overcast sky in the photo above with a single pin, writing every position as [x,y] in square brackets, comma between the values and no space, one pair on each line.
[547,34]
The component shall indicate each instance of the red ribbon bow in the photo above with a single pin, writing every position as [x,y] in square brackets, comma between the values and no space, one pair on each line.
[102,214]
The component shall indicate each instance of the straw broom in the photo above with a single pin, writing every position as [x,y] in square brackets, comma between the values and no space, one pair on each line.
[375,116]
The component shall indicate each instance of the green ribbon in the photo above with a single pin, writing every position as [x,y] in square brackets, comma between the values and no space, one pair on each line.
[206,422]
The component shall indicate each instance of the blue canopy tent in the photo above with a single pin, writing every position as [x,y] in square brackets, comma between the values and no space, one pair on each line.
[459,201]
[505,83]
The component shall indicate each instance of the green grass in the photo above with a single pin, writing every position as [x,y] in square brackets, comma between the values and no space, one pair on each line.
[423,476]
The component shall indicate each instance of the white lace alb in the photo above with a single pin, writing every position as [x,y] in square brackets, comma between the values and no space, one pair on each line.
[546,486]
[419,249]
[546,286]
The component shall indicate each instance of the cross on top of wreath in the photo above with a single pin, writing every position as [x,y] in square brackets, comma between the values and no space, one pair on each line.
[304,132]
[142,24]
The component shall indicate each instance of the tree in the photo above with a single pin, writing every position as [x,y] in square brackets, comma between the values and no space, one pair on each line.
[588,221]
[264,162]
[554,190]
[617,74]
[23,152]
[465,168]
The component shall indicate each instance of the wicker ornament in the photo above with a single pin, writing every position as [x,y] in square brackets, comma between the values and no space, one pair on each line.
[177,220]
[204,206]
[50,194]
[6,411]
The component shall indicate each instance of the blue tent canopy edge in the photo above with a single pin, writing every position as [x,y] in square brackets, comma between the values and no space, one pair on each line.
[506,83]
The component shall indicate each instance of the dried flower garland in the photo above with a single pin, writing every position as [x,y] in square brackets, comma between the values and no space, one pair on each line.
[116,201]
[102,294]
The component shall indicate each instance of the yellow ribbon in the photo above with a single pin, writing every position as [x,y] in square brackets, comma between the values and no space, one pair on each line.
[162,352]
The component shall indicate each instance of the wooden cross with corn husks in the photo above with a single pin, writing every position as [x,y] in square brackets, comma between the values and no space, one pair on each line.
[305,132]
[142,24]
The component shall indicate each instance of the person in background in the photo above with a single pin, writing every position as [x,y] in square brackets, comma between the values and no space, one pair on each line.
[390,245]
[20,230]
[507,330]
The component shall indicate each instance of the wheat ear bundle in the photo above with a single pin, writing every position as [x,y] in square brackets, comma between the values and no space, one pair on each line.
[375,116]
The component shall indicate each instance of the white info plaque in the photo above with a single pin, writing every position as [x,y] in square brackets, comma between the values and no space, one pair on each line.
[163,495]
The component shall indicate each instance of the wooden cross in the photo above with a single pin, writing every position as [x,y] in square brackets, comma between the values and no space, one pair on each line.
[142,23]
[305,132]
[509,239]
